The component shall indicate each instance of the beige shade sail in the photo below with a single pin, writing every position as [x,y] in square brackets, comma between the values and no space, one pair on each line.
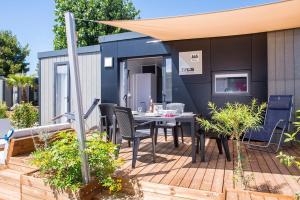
[269,17]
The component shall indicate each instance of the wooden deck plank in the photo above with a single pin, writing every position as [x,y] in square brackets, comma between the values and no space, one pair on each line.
[217,185]
[146,148]
[165,169]
[126,151]
[228,173]
[210,171]
[158,169]
[173,172]
[199,175]
[269,182]
[145,159]
[293,169]
[294,185]
[282,186]
[191,174]
[149,171]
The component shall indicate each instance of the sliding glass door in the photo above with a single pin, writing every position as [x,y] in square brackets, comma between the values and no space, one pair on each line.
[62,91]
[123,84]
[167,80]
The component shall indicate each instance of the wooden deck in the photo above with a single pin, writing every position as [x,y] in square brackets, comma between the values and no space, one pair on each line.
[174,167]
[174,176]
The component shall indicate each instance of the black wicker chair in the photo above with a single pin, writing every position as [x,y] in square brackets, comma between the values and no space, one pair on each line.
[221,140]
[107,112]
[128,131]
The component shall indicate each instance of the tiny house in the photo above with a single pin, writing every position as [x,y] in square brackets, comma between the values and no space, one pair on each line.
[131,68]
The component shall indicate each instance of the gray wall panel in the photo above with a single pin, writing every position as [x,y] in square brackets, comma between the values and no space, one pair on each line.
[271,63]
[90,78]
[284,62]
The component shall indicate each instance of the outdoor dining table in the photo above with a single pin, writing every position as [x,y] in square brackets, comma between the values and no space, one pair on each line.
[189,119]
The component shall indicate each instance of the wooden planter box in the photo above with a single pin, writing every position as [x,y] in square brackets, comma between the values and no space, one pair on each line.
[33,188]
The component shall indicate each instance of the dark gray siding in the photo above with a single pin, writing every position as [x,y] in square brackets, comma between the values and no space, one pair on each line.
[120,50]
[246,52]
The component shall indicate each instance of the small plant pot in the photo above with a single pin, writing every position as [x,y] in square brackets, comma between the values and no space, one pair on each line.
[33,187]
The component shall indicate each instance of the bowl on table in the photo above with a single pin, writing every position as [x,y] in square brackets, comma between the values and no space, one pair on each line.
[187,114]
[169,112]
[149,114]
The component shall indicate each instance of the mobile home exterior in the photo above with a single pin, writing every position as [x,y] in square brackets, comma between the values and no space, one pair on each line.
[228,65]
[56,89]
[271,61]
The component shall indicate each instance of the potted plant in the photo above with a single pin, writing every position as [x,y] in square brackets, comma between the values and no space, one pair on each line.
[59,166]
[234,120]
[287,159]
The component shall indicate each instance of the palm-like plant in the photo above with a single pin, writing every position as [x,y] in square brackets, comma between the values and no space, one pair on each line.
[234,120]
[22,81]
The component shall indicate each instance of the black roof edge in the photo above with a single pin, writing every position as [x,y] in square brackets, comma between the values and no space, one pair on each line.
[120,36]
[64,52]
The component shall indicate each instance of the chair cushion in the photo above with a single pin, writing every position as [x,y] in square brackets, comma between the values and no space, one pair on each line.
[261,134]
[279,105]
[143,133]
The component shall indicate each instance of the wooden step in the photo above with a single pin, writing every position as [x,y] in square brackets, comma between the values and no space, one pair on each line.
[10,177]
[20,168]
[10,184]
[233,194]
[160,191]
[21,163]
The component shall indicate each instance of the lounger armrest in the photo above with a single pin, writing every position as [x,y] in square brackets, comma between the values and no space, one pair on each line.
[277,125]
[281,121]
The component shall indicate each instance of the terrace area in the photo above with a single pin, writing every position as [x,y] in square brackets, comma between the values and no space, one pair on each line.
[174,169]
[174,176]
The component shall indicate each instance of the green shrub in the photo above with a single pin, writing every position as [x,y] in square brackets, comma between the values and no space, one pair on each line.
[292,160]
[233,120]
[287,159]
[24,115]
[60,161]
[3,110]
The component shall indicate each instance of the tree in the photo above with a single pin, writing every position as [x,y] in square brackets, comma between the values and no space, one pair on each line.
[88,31]
[234,120]
[12,55]
[22,81]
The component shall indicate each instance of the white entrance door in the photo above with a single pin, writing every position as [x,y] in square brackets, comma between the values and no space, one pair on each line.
[62,91]
[124,99]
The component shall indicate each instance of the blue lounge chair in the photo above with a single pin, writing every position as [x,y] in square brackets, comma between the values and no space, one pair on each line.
[276,123]
[6,132]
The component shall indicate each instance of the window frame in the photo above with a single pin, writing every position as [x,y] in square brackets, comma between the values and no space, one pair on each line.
[231,74]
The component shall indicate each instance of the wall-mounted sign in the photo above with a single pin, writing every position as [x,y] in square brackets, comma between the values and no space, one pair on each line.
[190,62]
[108,62]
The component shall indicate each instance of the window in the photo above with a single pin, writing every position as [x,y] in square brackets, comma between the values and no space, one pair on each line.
[231,83]
[167,79]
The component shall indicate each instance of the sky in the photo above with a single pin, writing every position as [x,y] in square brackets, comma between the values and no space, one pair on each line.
[32,20]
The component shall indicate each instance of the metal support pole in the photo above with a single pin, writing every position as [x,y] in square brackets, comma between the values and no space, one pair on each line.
[75,80]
